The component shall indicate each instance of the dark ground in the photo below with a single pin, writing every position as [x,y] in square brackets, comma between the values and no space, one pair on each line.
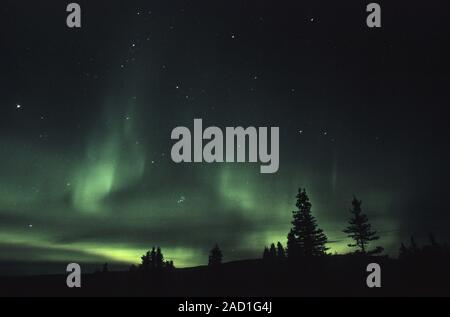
[330,276]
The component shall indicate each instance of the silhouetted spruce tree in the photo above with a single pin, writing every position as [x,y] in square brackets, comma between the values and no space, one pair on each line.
[169,265]
[153,258]
[105,268]
[415,250]
[281,254]
[434,249]
[433,241]
[133,268]
[291,245]
[266,253]
[159,259]
[360,230]
[403,252]
[306,238]
[273,251]
[146,263]
[215,256]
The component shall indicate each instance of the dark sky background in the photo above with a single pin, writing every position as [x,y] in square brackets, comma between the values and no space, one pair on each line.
[86,117]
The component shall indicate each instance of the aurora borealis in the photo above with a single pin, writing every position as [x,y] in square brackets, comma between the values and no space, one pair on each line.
[86,116]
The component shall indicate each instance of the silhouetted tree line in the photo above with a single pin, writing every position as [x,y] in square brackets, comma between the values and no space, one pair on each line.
[432,250]
[274,253]
[306,239]
[153,260]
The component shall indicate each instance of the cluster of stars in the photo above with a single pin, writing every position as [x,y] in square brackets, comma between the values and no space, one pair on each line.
[324,133]
[181,200]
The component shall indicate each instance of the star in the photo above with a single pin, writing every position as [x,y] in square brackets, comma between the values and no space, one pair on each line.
[18,106]
[30,226]
[181,200]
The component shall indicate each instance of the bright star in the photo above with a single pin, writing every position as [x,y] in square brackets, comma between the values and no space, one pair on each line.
[181,200]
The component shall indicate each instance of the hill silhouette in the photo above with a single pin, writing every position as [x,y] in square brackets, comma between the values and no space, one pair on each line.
[303,268]
[325,276]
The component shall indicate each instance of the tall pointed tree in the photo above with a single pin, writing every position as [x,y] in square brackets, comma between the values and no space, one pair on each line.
[291,245]
[309,239]
[403,252]
[273,251]
[153,258]
[159,258]
[266,253]
[414,247]
[360,230]
[146,262]
[281,254]
[215,256]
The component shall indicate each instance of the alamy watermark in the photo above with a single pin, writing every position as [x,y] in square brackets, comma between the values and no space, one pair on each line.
[236,144]
[373,19]
[74,18]
[73,280]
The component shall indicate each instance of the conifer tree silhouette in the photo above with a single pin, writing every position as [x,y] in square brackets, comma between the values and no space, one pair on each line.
[266,253]
[153,258]
[169,265]
[360,230]
[291,245]
[215,256]
[273,251]
[433,241]
[281,254]
[159,259]
[146,263]
[133,268]
[306,239]
[403,252]
[415,250]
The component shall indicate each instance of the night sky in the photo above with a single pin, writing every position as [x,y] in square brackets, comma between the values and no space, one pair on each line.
[86,117]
